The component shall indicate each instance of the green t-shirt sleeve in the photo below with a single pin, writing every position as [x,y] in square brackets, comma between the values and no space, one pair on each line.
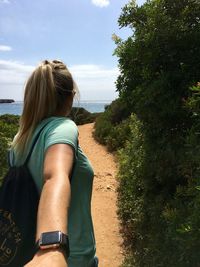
[64,133]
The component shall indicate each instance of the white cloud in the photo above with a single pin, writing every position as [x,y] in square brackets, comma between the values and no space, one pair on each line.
[4,2]
[5,48]
[12,72]
[101,3]
[92,71]
[95,82]
[12,78]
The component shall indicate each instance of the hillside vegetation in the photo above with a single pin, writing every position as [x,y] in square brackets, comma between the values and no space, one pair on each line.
[155,128]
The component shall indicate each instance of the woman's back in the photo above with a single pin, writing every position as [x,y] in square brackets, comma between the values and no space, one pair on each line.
[61,130]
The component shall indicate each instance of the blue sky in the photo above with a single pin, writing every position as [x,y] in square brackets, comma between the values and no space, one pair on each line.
[78,32]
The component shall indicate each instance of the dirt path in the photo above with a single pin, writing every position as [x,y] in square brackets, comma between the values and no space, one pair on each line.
[106,225]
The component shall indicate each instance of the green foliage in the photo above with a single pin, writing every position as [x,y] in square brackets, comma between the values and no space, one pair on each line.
[3,158]
[159,169]
[111,128]
[118,135]
[159,64]
[158,200]
[82,116]
[128,262]
[10,119]
[8,129]
[103,127]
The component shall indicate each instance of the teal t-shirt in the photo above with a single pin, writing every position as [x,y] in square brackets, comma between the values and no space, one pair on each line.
[80,227]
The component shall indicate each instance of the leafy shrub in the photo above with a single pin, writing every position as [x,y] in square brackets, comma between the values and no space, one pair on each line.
[111,128]
[3,156]
[128,262]
[103,126]
[158,200]
[10,119]
[119,135]
[8,129]
[159,169]
[82,116]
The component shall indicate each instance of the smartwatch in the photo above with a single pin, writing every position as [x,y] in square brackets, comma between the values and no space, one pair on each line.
[55,239]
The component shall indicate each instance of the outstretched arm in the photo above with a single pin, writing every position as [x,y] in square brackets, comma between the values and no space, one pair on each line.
[54,202]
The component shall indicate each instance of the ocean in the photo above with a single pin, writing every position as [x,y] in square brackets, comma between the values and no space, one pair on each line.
[91,106]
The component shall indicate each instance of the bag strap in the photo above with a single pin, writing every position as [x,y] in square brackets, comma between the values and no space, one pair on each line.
[33,145]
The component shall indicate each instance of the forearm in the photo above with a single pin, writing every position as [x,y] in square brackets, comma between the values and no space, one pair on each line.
[54,204]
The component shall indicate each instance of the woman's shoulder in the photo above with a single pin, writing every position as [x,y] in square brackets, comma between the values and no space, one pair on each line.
[57,128]
[54,123]
[60,130]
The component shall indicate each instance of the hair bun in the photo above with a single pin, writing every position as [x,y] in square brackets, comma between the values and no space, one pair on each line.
[45,62]
[57,64]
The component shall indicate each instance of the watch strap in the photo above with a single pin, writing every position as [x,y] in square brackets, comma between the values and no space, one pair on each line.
[64,245]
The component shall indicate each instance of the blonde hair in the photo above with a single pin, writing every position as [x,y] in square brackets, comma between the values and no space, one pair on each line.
[46,93]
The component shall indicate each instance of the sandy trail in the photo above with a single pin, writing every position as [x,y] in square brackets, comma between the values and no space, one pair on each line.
[105,220]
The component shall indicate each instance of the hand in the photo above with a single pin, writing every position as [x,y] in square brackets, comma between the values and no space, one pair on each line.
[46,258]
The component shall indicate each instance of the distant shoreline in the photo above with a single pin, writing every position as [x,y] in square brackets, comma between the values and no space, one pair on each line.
[82,101]
[17,107]
[2,101]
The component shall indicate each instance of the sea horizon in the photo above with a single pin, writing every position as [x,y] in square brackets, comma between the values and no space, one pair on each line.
[93,106]
[81,100]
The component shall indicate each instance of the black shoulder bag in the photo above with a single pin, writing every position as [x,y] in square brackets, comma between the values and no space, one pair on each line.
[19,199]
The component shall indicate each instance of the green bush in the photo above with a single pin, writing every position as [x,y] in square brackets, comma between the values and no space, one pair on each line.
[159,169]
[111,128]
[159,213]
[10,119]
[128,262]
[82,116]
[8,129]
[103,127]
[151,217]
[119,135]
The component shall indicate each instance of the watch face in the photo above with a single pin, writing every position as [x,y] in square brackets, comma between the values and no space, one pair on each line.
[53,240]
[50,238]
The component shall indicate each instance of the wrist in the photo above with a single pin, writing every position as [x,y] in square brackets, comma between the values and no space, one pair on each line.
[49,251]
[53,241]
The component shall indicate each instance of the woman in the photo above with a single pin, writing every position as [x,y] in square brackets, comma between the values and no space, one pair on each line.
[60,170]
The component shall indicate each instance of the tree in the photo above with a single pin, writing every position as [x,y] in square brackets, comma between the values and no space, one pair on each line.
[159,197]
